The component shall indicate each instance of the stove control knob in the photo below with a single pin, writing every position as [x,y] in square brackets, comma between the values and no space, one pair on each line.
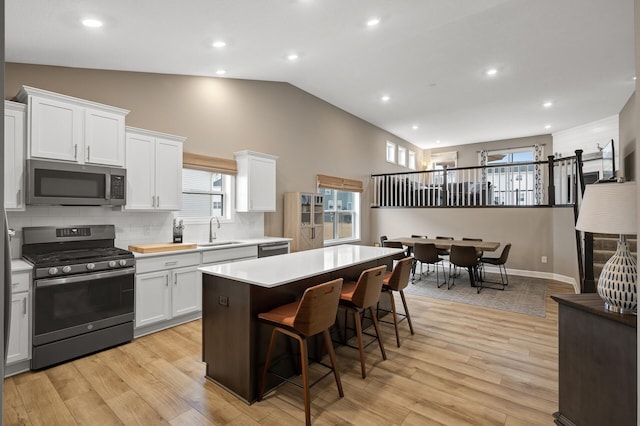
[66,269]
[112,264]
[91,266]
[53,271]
[122,262]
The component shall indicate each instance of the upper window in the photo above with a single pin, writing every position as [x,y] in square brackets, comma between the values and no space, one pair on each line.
[391,152]
[402,156]
[441,159]
[341,215]
[412,160]
[512,184]
[206,194]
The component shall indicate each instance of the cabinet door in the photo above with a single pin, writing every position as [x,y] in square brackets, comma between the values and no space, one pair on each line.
[18,348]
[186,292]
[262,185]
[55,130]
[104,138]
[14,142]
[168,174]
[153,302]
[140,172]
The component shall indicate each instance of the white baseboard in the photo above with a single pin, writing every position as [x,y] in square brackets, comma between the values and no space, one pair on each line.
[538,274]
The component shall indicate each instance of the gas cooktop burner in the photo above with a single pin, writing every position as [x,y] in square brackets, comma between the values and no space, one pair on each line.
[76,256]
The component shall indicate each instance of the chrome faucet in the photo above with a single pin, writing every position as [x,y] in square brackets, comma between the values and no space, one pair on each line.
[212,235]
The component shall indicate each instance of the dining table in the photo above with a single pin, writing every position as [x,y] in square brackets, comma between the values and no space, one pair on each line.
[445,244]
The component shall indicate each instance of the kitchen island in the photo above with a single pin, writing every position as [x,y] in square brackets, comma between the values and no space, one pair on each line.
[234,342]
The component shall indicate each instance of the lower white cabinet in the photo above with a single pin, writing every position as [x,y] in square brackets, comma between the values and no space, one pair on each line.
[18,347]
[171,290]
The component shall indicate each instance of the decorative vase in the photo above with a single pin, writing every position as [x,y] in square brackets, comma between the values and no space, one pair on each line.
[617,282]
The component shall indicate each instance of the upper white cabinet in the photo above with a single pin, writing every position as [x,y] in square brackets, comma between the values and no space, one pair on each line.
[14,145]
[154,170]
[64,128]
[255,182]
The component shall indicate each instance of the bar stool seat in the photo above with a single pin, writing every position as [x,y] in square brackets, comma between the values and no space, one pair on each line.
[313,314]
[360,296]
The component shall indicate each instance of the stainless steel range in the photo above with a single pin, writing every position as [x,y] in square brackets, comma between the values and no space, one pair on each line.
[83,291]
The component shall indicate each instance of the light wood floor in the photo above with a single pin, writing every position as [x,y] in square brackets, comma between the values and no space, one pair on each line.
[464,365]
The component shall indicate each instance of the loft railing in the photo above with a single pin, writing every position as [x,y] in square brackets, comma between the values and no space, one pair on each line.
[551,182]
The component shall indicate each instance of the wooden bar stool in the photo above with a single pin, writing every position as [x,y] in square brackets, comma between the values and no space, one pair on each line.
[360,296]
[313,314]
[397,280]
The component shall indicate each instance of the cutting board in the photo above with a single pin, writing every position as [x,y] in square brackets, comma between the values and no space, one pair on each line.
[160,247]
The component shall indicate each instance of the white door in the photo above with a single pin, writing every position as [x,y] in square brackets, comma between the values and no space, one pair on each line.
[140,172]
[14,159]
[187,291]
[153,302]
[168,174]
[55,130]
[18,348]
[262,185]
[104,138]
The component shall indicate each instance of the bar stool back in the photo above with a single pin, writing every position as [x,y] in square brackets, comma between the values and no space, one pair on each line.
[313,314]
[360,296]
[397,280]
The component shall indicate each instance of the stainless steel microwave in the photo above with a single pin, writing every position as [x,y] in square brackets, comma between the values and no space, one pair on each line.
[68,184]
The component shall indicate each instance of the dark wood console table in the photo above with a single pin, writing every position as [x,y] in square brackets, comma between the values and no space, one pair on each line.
[597,363]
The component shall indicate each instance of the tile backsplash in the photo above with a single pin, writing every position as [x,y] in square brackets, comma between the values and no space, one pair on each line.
[131,227]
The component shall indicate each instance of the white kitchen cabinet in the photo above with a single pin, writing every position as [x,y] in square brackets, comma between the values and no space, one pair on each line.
[153,303]
[64,128]
[304,220]
[19,332]
[14,161]
[255,182]
[167,286]
[154,170]
[186,293]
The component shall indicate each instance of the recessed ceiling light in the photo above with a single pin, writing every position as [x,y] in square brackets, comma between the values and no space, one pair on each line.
[634,78]
[385,98]
[415,127]
[373,22]
[548,126]
[547,104]
[292,56]
[491,72]
[92,23]
[221,72]
[438,141]
[218,44]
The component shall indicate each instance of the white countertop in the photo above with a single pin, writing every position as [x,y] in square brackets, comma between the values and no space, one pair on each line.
[19,265]
[277,270]
[242,242]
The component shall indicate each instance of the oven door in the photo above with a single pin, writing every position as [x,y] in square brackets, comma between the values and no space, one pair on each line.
[70,306]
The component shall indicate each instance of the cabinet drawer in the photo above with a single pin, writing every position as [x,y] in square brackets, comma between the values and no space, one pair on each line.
[158,263]
[20,281]
[229,254]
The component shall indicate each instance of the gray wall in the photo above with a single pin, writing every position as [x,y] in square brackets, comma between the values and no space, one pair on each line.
[627,120]
[533,232]
[219,116]
[468,154]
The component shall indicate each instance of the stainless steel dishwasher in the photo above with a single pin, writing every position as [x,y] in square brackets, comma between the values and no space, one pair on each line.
[273,249]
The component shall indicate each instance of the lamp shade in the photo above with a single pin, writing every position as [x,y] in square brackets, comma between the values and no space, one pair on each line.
[609,208]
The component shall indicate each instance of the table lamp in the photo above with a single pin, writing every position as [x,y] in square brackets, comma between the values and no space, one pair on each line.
[610,208]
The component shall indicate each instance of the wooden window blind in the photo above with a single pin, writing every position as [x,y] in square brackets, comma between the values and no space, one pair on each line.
[333,182]
[211,164]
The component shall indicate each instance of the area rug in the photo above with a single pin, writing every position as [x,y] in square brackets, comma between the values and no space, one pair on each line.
[523,295]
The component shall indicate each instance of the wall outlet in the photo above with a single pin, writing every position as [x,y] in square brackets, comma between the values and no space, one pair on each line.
[543,259]
[223,300]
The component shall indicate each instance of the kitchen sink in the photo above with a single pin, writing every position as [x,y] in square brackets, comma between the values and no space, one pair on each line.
[218,243]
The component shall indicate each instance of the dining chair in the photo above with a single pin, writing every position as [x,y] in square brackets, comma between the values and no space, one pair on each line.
[446,252]
[479,253]
[383,238]
[396,244]
[464,257]
[312,315]
[500,262]
[428,253]
[360,296]
[397,280]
